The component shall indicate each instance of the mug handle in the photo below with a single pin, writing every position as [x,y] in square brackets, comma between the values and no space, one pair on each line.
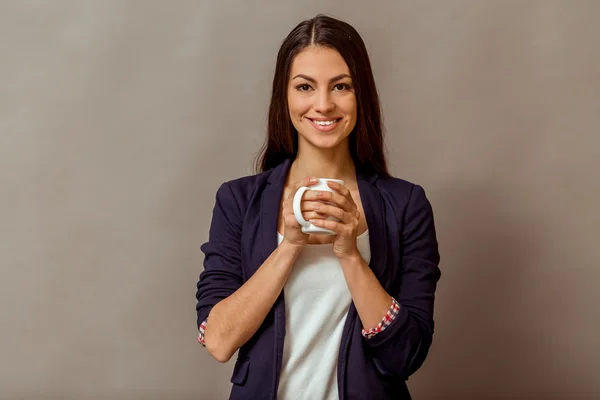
[296,206]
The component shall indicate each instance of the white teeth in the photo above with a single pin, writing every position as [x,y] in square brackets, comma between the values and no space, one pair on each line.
[325,123]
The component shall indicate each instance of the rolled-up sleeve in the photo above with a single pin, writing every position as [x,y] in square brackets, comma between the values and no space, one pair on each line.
[222,274]
[402,347]
[387,319]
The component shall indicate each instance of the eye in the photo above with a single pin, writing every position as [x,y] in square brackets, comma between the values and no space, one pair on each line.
[304,85]
[344,86]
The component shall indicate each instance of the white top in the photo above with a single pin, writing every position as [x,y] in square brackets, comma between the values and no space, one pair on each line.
[317,300]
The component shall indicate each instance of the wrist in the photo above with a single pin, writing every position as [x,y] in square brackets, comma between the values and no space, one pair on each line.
[288,246]
[351,259]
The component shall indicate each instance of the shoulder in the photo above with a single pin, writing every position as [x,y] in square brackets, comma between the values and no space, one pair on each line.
[242,189]
[407,199]
[400,190]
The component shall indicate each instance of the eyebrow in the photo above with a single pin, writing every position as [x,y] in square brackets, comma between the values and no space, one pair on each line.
[335,78]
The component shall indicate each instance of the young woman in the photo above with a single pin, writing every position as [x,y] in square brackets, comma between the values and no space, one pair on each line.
[343,316]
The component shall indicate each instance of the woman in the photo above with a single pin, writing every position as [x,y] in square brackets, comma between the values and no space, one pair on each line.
[357,315]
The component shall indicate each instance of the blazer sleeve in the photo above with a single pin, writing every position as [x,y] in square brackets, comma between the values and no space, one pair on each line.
[401,348]
[222,274]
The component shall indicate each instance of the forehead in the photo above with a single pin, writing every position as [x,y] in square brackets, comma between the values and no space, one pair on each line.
[319,63]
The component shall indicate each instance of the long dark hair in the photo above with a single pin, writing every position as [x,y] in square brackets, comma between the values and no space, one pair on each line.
[366,139]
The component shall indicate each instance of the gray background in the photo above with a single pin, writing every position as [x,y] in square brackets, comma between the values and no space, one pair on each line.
[119,120]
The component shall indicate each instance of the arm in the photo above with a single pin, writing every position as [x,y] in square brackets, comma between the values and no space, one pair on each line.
[375,307]
[232,310]
[401,348]
[236,318]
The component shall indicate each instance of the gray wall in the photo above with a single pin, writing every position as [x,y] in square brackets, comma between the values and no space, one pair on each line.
[119,120]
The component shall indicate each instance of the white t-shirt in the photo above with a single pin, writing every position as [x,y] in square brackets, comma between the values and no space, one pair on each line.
[317,300]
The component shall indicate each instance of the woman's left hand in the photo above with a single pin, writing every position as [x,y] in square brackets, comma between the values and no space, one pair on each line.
[346,211]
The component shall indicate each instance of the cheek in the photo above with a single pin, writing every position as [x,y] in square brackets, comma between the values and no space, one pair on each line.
[296,106]
[349,106]
[351,115]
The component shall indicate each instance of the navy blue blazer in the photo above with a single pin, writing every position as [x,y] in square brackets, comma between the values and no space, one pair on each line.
[404,258]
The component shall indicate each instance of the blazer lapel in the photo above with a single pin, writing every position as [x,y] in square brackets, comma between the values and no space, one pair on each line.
[269,215]
[374,209]
[270,207]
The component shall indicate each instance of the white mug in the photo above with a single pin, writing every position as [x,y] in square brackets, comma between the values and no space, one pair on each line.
[307,227]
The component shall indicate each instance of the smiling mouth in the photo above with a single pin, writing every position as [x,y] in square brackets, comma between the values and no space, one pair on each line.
[324,123]
[325,126]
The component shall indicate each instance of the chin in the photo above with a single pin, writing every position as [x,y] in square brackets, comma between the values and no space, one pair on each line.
[324,142]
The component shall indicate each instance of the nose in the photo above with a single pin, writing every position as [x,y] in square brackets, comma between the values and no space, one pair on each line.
[323,103]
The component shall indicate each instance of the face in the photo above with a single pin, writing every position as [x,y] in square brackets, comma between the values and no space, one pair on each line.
[321,99]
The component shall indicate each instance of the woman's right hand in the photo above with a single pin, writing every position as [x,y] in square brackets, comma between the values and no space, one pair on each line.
[292,230]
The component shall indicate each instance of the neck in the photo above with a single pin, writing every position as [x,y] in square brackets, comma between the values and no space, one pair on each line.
[329,163]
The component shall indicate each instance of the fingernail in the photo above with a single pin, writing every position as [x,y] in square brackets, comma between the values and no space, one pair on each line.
[313,180]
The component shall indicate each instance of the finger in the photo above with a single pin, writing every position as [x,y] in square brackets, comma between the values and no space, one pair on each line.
[310,205]
[341,189]
[330,197]
[313,214]
[336,212]
[328,224]
[304,206]
[308,181]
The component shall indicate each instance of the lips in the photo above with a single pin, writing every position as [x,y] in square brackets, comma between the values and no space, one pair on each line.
[325,128]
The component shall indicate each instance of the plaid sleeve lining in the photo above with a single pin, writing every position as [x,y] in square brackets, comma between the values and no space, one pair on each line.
[385,322]
[201,332]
